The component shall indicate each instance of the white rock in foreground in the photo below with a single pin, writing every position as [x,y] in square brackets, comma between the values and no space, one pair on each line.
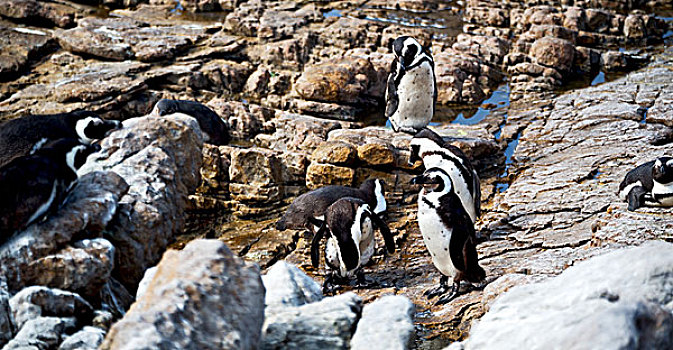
[386,324]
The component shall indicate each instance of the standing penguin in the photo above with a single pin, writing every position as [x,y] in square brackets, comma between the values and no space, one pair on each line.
[649,184]
[349,225]
[19,136]
[411,92]
[215,130]
[431,148]
[448,234]
[31,186]
[308,210]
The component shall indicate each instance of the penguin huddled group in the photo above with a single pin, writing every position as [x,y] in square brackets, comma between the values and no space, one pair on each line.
[39,161]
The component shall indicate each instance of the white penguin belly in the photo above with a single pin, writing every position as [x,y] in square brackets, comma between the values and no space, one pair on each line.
[436,238]
[416,98]
[459,182]
[367,242]
[663,193]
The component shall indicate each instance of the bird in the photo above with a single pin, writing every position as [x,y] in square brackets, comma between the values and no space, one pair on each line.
[308,210]
[34,185]
[448,234]
[429,147]
[215,130]
[349,225]
[650,183]
[411,91]
[18,137]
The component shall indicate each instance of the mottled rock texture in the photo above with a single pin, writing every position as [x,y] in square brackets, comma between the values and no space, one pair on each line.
[387,323]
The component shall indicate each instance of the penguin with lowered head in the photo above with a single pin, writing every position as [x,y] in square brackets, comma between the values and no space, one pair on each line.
[434,152]
[448,234]
[215,130]
[308,210]
[349,226]
[650,183]
[18,137]
[32,186]
[411,92]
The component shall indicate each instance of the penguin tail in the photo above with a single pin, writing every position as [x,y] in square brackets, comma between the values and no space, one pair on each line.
[476,275]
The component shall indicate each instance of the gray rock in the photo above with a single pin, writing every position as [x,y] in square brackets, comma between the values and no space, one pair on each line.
[160,159]
[42,333]
[89,338]
[202,297]
[387,323]
[145,282]
[40,12]
[327,324]
[34,302]
[6,323]
[619,300]
[286,285]
[18,46]
[90,206]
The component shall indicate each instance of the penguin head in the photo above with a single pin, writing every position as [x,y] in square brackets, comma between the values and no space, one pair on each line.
[165,107]
[409,51]
[344,219]
[71,152]
[434,180]
[424,140]
[662,171]
[89,126]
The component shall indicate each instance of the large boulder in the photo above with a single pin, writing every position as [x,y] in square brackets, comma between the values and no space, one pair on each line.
[553,52]
[159,157]
[203,297]
[6,325]
[286,285]
[620,300]
[387,323]
[35,302]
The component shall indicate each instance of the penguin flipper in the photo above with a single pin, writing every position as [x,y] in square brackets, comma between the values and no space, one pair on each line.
[392,99]
[463,248]
[637,197]
[476,185]
[385,232]
[315,246]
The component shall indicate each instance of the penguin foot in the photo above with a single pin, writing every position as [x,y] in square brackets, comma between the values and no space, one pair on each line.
[448,296]
[364,283]
[329,287]
[437,291]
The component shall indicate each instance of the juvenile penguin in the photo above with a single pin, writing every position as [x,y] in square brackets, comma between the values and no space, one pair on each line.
[649,184]
[308,210]
[431,148]
[411,92]
[448,234]
[19,136]
[215,130]
[349,225]
[32,186]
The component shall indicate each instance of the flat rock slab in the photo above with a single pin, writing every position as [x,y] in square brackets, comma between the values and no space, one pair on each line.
[123,38]
[619,300]
[18,46]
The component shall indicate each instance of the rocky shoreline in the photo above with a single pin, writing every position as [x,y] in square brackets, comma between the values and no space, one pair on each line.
[301,85]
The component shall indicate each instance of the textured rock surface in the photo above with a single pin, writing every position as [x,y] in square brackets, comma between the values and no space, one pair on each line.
[617,300]
[35,302]
[387,323]
[19,47]
[160,159]
[325,324]
[6,323]
[203,297]
[288,286]
[42,333]
[89,338]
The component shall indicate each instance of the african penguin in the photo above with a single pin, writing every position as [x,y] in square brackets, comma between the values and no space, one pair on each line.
[19,136]
[215,130]
[649,184]
[308,210]
[448,233]
[411,92]
[349,225]
[32,186]
[431,148]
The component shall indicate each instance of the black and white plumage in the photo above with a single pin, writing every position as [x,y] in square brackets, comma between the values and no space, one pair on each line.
[349,226]
[308,210]
[649,184]
[431,148]
[448,233]
[32,186]
[215,130]
[411,92]
[19,136]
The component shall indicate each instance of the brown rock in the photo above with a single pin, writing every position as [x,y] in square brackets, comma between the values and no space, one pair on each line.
[338,80]
[245,119]
[254,166]
[553,52]
[318,175]
[376,153]
[634,27]
[335,152]
[19,46]
[38,12]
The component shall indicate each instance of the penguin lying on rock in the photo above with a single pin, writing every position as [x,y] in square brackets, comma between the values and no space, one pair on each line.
[411,92]
[649,184]
[431,148]
[448,234]
[32,186]
[349,225]
[308,210]
[19,136]
[215,130]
